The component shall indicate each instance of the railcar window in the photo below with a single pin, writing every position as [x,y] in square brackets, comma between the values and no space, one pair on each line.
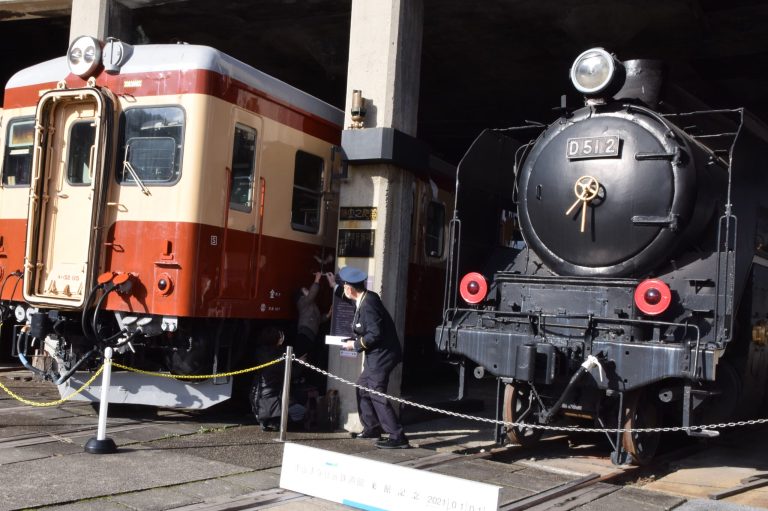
[307,192]
[17,166]
[433,238]
[82,137]
[243,164]
[152,141]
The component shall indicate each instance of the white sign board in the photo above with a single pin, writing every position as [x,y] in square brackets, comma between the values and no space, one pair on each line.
[374,485]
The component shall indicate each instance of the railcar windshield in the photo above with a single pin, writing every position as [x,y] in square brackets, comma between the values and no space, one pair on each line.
[17,166]
[152,142]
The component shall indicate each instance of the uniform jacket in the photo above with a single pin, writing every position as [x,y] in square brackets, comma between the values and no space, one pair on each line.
[375,333]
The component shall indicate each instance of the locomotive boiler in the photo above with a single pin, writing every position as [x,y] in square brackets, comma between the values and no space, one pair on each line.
[610,268]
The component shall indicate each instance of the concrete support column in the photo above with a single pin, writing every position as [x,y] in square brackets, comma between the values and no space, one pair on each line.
[384,63]
[99,19]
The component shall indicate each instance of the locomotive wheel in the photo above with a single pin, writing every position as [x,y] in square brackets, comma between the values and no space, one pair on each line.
[519,407]
[640,412]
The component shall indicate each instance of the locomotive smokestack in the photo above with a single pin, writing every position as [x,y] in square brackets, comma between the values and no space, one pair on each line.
[644,80]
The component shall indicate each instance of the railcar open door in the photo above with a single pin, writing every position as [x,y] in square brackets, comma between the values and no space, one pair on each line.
[67,188]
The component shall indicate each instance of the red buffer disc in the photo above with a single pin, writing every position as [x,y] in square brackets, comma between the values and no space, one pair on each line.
[653,297]
[473,288]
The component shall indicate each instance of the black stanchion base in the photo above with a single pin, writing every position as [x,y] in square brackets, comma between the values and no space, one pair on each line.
[95,446]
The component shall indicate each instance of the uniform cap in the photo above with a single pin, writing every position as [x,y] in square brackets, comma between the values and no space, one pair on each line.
[352,275]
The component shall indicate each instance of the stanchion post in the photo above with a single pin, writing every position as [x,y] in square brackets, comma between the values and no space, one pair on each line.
[101,444]
[286,393]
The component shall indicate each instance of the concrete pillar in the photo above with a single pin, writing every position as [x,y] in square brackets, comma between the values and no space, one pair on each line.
[100,19]
[384,63]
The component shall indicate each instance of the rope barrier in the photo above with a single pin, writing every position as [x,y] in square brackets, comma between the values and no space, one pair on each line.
[139,371]
[198,376]
[522,425]
[58,401]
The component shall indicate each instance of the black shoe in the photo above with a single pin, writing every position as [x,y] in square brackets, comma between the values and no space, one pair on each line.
[392,443]
[368,434]
[269,427]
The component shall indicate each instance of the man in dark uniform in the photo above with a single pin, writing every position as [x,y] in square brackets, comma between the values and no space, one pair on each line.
[375,336]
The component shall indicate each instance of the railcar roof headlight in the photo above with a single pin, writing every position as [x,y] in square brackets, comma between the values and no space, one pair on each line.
[84,56]
[595,71]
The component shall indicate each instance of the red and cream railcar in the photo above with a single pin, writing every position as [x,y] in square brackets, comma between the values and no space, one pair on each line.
[162,199]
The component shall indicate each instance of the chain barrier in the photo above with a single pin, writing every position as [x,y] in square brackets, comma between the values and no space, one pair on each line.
[58,401]
[521,425]
[524,425]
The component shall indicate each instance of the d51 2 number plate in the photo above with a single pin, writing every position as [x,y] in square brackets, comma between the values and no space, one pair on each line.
[593,147]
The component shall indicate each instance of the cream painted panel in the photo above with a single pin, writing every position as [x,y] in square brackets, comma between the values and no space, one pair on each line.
[179,202]
[13,200]
[278,164]
[200,195]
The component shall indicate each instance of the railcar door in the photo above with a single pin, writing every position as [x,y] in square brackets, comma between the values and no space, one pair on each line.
[66,191]
[242,227]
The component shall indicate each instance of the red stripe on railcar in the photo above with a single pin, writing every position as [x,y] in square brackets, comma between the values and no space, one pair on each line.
[13,232]
[206,282]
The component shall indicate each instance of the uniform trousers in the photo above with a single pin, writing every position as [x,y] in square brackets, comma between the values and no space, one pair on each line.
[376,411]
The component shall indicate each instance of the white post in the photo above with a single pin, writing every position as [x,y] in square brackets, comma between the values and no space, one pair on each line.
[286,393]
[101,444]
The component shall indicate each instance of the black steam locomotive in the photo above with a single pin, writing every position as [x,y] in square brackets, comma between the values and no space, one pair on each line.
[612,266]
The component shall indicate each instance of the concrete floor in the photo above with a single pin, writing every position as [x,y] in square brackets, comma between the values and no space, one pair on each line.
[175,459]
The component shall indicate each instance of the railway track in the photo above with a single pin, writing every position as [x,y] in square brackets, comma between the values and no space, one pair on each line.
[556,496]
[563,497]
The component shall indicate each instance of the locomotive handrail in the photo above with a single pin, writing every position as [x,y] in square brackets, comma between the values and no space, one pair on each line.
[452,263]
[704,112]
[516,277]
[572,316]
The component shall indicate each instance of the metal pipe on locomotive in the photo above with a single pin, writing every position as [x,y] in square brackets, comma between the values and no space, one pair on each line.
[628,291]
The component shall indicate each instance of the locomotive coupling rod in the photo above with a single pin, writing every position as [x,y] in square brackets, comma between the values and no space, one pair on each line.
[586,366]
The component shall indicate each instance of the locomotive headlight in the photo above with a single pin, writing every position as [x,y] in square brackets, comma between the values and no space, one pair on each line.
[473,288]
[596,71]
[84,56]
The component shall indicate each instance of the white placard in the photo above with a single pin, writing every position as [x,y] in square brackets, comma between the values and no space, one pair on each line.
[336,340]
[377,486]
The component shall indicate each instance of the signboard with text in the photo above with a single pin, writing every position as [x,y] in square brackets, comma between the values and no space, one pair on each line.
[367,484]
[356,243]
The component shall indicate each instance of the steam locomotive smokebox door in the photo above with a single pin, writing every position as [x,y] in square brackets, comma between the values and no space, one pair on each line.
[606,193]
[66,191]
